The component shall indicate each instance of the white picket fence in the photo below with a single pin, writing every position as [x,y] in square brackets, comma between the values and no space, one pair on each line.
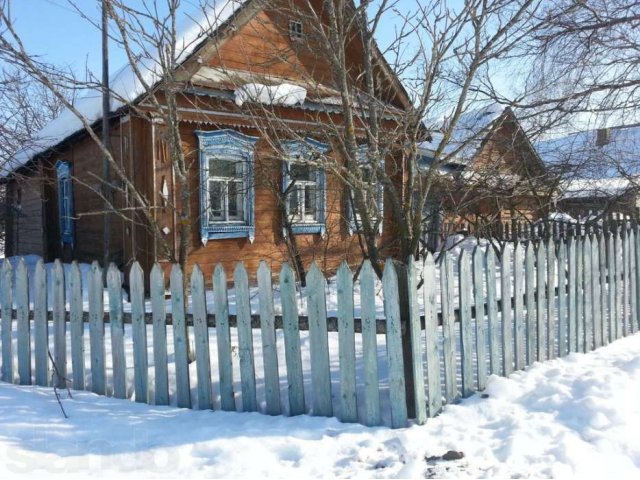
[555,298]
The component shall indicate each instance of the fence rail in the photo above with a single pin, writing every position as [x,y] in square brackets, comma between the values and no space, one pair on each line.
[563,296]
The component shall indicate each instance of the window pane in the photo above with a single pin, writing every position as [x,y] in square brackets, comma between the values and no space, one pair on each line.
[235,201]
[310,202]
[299,171]
[216,201]
[224,168]
[293,202]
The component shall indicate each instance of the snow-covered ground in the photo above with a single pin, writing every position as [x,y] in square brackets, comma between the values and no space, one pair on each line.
[572,417]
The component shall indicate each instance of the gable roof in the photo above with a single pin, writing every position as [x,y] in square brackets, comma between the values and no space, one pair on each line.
[472,130]
[467,135]
[595,153]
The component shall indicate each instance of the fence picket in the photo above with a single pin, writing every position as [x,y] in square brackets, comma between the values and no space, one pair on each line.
[602,265]
[633,313]
[397,392]
[507,318]
[76,325]
[466,332]
[618,285]
[23,325]
[319,343]
[448,327]
[551,299]
[626,330]
[139,333]
[611,292]
[518,310]
[369,345]
[636,249]
[41,329]
[114,285]
[530,300]
[478,301]
[223,335]
[562,298]
[431,337]
[292,341]
[579,339]
[7,322]
[595,293]
[492,312]
[588,296]
[269,346]
[245,339]
[96,329]
[159,317]
[572,306]
[180,338]
[346,345]
[201,339]
[541,277]
[59,327]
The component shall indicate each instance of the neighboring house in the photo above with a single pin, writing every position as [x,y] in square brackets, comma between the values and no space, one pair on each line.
[600,170]
[249,56]
[488,173]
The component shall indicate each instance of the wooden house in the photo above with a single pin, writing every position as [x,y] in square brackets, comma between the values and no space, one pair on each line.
[247,49]
[488,174]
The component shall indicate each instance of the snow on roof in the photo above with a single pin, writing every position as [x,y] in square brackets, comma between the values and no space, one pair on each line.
[467,134]
[582,154]
[125,84]
[597,187]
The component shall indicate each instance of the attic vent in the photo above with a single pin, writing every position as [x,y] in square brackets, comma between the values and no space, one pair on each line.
[295,30]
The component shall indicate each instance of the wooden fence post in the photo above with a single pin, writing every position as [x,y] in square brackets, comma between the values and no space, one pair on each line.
[397,392]
[41,328]
[223,336]
[292,341]
[479,301]
[180,338]
[114,285]
[161,374]
[346,345]
[431,336]
[96,329]
[201,339]
[22,323]
[245,339]
[269,346]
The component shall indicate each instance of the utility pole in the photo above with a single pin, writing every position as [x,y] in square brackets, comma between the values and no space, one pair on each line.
[106,171]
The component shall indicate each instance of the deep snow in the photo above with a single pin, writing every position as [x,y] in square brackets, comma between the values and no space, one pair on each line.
[571,417]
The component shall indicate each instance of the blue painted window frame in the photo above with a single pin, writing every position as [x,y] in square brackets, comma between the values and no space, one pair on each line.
[299,150]
[353,225]
[66,209]
[227,144]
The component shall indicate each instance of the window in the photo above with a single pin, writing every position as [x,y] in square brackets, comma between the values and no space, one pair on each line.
[373,193]
[226,185]
[295,30]
[65,203]
[304,186]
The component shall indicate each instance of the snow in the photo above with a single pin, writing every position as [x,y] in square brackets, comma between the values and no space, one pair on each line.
[575,417]
[125,84]
[282,94]
[580,153]
[597,188]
